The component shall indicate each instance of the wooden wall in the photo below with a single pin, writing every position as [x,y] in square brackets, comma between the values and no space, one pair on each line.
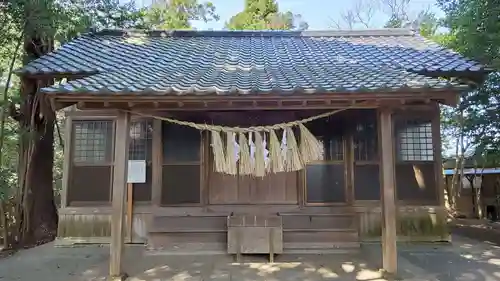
[93,225]
[414,223]
[348,176]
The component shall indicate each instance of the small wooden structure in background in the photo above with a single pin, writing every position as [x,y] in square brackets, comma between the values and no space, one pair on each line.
[480,191]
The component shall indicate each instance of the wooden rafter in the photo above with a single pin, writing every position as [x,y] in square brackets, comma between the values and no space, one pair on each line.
[260,102]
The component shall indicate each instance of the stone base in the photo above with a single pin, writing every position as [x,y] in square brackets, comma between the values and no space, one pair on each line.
[121,277]
[389,276]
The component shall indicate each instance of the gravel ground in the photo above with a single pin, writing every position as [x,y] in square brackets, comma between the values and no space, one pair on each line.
[479,230]
[464,259]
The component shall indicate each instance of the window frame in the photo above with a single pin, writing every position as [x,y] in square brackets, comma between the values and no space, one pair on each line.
[76,164]
[373,158]
[335,137]
[366,118]
[200,163]
[109,159]
[428,154]
[148,139]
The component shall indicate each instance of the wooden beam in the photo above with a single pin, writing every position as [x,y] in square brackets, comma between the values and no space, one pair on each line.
[389,236]
[157,163]
[130,210]
[255,104]
[438,161]
[120,169]
[441,95]
[349,164]
[68,133]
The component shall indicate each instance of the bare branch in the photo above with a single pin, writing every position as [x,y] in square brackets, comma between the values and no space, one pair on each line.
[365,10]
[361,13]
[335,24]
[396,8]
[349,19]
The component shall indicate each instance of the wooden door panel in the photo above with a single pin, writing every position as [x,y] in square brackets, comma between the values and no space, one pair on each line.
[273,188]
[222,189]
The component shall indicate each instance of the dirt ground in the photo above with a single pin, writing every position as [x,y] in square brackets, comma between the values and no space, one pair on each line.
[463,260]
[480,230]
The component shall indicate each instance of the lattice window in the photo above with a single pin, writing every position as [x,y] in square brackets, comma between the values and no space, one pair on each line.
[331,136]
[140,140]
[92,141]
[415,141]
[333,147]
[365,141]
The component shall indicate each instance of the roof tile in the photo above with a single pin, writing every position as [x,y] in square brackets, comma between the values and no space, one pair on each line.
[224,62]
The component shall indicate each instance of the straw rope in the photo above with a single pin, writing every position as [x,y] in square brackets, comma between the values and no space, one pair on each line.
[244,156]
[218,128]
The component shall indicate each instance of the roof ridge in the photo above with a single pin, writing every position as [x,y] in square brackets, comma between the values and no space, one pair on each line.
[253,33]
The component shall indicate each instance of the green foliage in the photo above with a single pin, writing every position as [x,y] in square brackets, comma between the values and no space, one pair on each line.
[178,14]
[475,25]
[475,32]
[77,16]
[42,25]
[8,168]
[62,20]
[265,15]
[426,22]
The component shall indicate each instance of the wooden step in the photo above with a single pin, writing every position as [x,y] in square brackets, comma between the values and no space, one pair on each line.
[346,235]
[188,224]
[327,241]
[187,249]
[308,233]
[218,222]
[321,248]
[319,221]
[158,240]
[350,230]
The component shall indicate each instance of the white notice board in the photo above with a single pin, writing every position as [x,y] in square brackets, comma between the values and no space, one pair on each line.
[136,171]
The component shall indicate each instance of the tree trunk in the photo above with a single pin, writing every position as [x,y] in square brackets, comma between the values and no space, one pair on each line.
[41,212]
[36,210]
[453,190]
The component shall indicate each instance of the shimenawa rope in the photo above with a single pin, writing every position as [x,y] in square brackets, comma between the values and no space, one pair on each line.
[234,157]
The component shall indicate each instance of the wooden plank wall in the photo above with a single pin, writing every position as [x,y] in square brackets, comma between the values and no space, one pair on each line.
[363,191]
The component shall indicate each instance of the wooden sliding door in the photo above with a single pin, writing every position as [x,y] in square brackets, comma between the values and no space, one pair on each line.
[279,188]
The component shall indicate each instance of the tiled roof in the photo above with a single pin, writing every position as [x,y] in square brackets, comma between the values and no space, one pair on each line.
[206,62]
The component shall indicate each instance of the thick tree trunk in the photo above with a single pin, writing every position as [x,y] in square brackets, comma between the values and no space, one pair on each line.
[39,203]
[36,210]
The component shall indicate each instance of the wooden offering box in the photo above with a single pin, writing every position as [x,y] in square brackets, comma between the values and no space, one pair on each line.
[254,234]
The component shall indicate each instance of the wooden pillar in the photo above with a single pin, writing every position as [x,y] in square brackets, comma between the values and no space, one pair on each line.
[120,169]
[389,236]
[67,161]
[349,167]
[438,161]
[157,163]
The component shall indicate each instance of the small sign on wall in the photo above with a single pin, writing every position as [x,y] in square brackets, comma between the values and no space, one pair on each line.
[136,171]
